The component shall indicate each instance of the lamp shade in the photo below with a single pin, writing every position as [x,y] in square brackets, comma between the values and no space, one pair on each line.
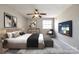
[2,32]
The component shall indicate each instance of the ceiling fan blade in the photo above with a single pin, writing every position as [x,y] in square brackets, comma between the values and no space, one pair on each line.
[42,13]
[33,16]
[36,17]
[40,16]
[30,14]
[36,9]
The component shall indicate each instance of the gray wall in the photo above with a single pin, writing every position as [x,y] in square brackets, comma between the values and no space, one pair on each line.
[72,13]
[39,24]
[21,21]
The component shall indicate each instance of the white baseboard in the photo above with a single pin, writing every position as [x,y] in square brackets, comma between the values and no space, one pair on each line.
[69,45]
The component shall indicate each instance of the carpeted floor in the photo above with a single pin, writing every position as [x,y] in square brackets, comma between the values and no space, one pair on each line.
[59,48]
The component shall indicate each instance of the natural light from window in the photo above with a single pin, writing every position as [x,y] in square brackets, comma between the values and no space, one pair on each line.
[47,24]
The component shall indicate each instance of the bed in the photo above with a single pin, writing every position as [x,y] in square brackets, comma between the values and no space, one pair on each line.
[22,41]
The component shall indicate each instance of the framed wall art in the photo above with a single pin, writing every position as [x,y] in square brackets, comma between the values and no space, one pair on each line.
[9,21]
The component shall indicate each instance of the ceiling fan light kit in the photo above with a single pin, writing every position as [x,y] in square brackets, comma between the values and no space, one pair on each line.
[36,14]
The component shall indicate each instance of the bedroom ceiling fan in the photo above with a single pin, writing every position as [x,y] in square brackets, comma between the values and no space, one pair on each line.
[36,14]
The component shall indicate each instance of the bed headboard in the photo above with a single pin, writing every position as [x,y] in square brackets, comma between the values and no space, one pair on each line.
[12,30]
[4,31]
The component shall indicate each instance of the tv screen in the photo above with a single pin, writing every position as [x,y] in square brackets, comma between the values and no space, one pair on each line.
[65,28]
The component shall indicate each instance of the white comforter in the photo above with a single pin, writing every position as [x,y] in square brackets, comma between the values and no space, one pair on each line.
[21,41]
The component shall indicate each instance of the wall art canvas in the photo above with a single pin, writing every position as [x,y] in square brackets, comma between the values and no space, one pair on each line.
[9,21]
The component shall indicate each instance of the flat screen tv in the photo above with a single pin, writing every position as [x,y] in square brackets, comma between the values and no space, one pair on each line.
[65,28]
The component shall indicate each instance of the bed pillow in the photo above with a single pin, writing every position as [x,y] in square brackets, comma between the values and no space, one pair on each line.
[9,34]
[21,33]
[13,34]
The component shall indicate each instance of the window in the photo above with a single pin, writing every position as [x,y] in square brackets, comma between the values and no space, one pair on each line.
[47,24]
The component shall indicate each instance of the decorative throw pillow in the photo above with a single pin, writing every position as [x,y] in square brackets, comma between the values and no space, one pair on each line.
[13,35]
[21,33]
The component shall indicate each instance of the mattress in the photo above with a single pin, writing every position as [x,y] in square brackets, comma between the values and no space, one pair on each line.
[21,41]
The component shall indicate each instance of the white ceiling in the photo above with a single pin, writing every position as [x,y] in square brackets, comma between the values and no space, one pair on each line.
[52,10]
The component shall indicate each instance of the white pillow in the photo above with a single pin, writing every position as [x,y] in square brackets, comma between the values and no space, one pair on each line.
[16,33]
[13,34]
[9,34]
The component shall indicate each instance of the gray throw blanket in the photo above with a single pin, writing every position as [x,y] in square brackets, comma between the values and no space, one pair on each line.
[32,41]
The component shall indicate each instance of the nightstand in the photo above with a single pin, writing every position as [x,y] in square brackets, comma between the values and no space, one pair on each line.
[0,46]
[2,38]
[2,50]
